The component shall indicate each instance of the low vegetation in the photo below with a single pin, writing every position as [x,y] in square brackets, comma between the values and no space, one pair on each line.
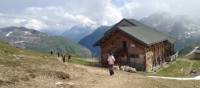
[181,68]
[83,61]
[60,44]
[21,68]
[196,65]
[80,61]
[28,69]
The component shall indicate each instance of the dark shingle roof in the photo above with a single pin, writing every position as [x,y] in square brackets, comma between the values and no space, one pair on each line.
[145,34]
[152,35]
[134,22]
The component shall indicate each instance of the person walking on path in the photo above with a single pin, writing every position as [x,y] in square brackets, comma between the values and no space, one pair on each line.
[51,52]
[58,53]
[69,57]
[63,57]
[111,61]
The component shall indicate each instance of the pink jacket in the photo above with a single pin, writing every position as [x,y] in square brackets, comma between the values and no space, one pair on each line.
[111,60]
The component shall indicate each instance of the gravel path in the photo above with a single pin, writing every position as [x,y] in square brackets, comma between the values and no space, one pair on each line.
[175,78]
[99,78]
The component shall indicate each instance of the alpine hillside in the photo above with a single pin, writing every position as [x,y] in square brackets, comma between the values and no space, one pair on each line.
[32,39]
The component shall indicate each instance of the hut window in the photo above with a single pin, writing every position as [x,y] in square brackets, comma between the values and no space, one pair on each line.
[132,45]
[112,43]
[124,43]
[134,56]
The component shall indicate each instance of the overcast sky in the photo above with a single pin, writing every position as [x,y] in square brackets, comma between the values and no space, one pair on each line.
[63,14]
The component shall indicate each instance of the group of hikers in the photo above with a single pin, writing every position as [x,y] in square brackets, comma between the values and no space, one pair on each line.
[62,55]
[110,60]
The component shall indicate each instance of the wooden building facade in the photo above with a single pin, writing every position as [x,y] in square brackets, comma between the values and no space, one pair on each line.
[136,45]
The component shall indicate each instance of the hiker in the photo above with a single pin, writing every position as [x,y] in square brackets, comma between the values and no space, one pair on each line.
[58,54]
[111,61]
[51,52]
[69,57]
[120,62]
[63,58]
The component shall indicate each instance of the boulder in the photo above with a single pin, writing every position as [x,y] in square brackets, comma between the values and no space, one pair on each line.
[193,72]
[116,67]
[129,69]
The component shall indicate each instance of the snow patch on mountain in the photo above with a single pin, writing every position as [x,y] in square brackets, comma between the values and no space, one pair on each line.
[19,42]
[8,34]
[27,33]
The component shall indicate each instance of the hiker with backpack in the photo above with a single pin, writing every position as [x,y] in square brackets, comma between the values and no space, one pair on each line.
[63,57]
[111,61]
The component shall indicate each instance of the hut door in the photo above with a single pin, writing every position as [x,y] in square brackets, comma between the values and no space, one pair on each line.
[124,43]
[149,62]
[125,50]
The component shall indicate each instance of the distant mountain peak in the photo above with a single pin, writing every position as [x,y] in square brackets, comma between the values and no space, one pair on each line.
[77,32]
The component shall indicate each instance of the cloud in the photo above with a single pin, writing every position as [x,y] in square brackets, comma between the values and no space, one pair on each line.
[35,24]
[112,14]
[79,19]
[54,16]
[58,16]
[63,14]
[10,20]
[129,9]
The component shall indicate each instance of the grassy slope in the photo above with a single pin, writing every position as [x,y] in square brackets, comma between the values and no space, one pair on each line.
[196,65]
[24,69]
[28,69]
[181,68]
[81,61]
[61,44]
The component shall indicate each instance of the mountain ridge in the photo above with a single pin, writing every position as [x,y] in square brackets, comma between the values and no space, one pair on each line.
[32,39]
[77,32]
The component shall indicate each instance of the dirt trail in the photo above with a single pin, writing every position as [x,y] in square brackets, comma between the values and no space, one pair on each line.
[119,80]
[95,77]
[101,79]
